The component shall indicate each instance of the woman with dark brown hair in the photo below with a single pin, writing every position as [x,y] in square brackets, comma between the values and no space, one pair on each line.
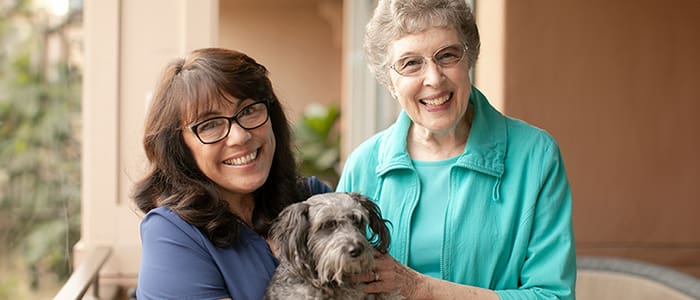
[221,170]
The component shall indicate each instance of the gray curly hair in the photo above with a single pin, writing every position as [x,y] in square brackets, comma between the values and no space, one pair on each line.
[394,19]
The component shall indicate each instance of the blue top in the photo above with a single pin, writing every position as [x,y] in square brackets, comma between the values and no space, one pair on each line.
[507,224]
[179,262]
[426,227]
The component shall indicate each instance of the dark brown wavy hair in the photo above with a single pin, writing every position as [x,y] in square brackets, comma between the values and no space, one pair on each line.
[202,79]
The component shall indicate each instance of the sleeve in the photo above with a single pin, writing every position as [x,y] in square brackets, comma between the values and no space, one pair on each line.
[316,186]
[549,270]
[174,264]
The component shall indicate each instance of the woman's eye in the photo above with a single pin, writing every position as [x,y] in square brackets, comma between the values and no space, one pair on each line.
[449,55]
[446,55]
[211,125]
[412,63]
[246,111]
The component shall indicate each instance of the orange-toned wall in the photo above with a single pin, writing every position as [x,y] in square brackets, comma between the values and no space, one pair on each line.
[618,85]
[294,40]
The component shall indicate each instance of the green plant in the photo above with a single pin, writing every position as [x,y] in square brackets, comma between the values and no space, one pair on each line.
[39,145]
[318,141]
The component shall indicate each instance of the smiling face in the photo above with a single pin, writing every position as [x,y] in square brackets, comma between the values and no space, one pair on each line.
[240,163]
[437,99]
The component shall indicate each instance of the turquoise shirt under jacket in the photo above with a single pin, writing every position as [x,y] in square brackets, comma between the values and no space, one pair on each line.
[508,219]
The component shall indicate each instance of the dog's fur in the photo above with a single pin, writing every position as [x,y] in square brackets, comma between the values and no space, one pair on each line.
[321,242]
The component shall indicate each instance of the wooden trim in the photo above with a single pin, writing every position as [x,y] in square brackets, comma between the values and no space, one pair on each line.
[490,68]
[367,106]
[85,276]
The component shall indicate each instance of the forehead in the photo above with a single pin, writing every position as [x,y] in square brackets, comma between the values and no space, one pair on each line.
[208,104]
[424,42]
[333,205]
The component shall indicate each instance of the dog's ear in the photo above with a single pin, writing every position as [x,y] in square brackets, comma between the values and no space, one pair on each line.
[290,232]
[380,238]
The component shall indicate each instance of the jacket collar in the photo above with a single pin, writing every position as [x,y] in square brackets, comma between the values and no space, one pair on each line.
[485,150]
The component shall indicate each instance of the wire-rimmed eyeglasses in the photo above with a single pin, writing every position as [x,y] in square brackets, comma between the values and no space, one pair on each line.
[216,129]
[445,57]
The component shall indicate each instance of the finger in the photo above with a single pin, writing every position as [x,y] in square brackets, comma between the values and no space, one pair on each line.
[374,288]
[362,278]
[384,262]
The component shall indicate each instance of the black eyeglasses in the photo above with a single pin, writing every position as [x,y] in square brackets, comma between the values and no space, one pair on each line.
[216,129]
[444,57]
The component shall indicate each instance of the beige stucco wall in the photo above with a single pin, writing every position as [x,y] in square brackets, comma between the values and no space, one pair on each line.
[616,82]
[298,41]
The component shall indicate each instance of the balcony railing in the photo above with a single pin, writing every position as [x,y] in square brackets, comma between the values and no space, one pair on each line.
[86,277]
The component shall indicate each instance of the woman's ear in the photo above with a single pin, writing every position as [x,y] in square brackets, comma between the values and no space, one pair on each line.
[392,92]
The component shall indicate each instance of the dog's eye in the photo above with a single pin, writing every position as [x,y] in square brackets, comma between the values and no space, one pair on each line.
[329,225]
[357,221]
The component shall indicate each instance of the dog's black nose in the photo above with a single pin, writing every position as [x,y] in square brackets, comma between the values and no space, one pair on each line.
[357,250]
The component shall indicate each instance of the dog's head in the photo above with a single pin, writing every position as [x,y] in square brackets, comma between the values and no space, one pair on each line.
[331,235]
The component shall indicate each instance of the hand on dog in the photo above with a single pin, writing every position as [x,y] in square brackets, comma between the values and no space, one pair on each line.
[390,276]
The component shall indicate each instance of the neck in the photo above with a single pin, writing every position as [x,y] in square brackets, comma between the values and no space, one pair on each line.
[424,144]
[243,208]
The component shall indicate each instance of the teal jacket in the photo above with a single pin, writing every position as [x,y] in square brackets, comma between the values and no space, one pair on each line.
[508,222]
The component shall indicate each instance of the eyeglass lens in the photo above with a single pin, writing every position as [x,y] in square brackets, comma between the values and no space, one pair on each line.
[444,57]
[215,129]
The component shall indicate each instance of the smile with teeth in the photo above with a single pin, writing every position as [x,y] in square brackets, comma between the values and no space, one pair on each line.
[437,101]
[242,160]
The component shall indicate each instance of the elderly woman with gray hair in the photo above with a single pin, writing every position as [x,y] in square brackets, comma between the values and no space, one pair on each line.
[479,202]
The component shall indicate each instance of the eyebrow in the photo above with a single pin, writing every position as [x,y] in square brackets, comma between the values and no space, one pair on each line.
[206,115]
[414,53]
[214,113]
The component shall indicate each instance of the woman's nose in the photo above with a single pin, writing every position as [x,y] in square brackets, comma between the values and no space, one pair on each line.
[433,74]
[237,135]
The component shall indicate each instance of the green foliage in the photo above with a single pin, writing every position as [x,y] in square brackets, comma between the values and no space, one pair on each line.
[318,141]
[39,144]
[7,287]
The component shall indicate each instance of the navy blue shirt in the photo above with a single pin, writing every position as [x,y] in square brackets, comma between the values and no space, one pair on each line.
[179,262]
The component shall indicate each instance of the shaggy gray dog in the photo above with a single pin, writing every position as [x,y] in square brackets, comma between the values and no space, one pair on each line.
[323,241]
